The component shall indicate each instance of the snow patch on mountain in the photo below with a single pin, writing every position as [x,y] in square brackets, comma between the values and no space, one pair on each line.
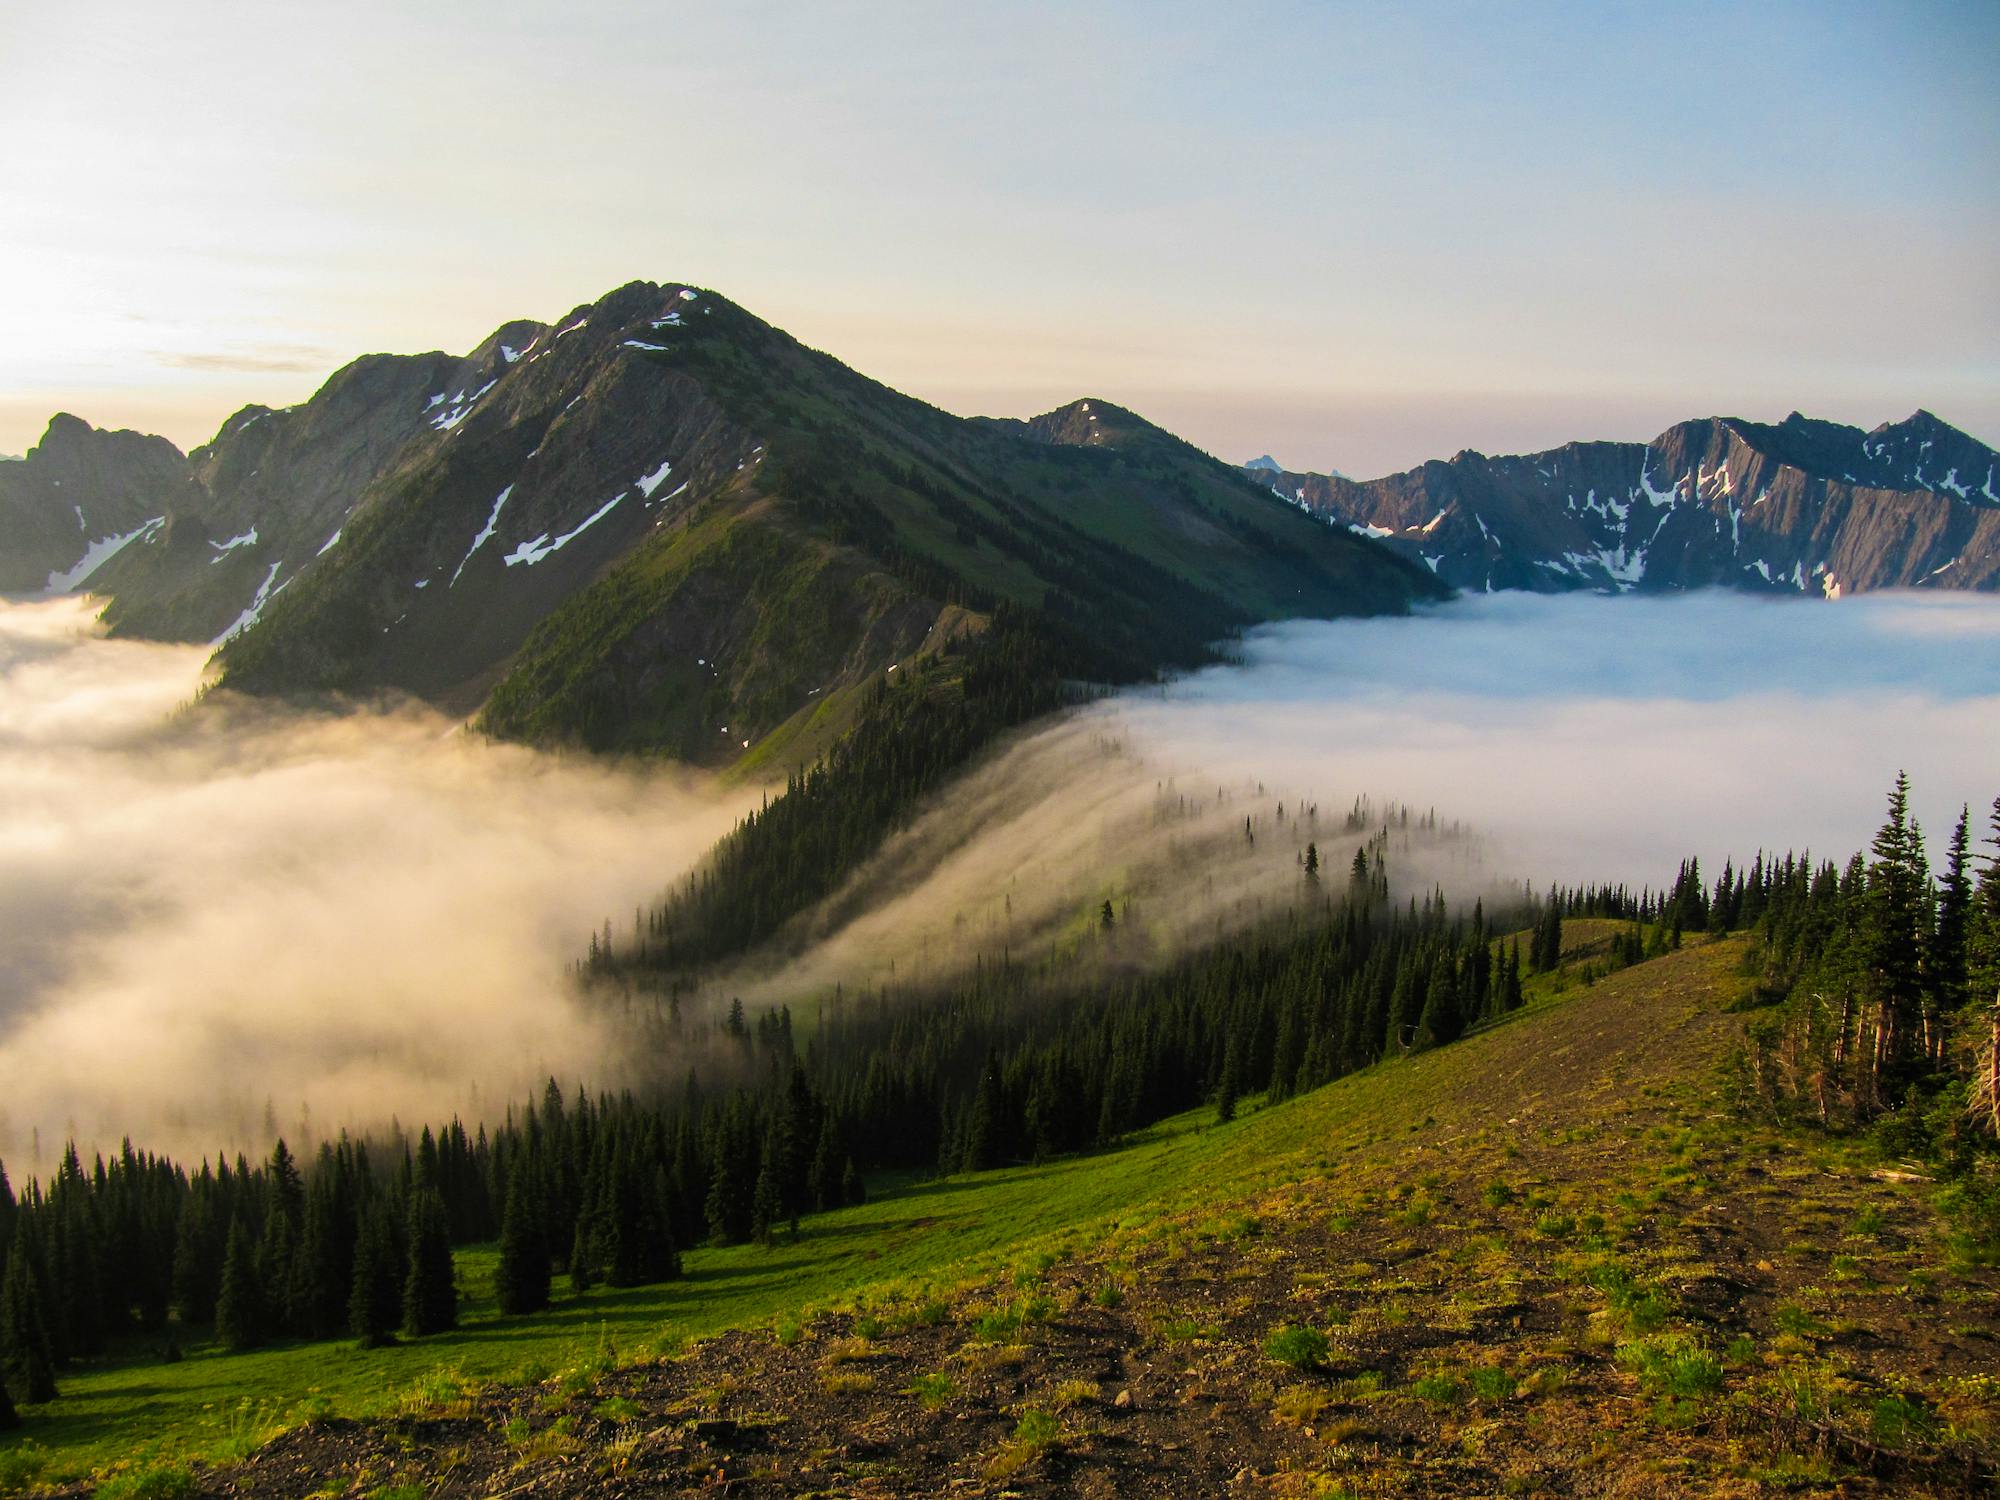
[649,482]
[485,535]
[98,553]
[254,610]
[223,549]
[459,406]
[532,552]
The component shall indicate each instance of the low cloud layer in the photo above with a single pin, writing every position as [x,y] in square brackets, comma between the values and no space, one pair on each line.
[1592,738]
[217,920]
[1575,739]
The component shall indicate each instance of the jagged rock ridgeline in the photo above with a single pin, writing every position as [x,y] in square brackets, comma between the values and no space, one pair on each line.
[1802,506]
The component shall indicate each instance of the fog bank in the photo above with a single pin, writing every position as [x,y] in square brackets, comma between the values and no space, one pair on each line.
[1593,738]
[1578,738]
[218,921]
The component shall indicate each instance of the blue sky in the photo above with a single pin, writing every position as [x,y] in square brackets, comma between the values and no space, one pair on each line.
[1355,236]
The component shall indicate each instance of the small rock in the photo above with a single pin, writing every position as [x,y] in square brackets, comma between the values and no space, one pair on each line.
[1122,1400]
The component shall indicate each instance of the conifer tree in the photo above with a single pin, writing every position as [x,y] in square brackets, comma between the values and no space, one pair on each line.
[1226,1086]
[197,1272]
[323,1267]
[69,1269]
[1950,946]
[1545,948]
[9,1418]
[522,1281]
[983,1122]
[659,1256]
[732,1151]
[430,1287]
[375,1300]
[1983,976]
[1442,1020]
[26,1355]
[1892,936]
[1514,995]
[242,1317]
[9,1213]
[767,1205]
[852,1189]
[824,1176]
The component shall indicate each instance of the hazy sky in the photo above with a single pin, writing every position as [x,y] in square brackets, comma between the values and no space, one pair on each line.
[1357,236]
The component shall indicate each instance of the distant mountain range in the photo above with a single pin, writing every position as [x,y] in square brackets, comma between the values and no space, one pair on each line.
[661,523]
[1800,507]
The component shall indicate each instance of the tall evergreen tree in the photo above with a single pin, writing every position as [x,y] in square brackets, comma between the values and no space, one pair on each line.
[1226,1086]
[1951,946]
[26,1355]
[242,1315]
[375,1299]
[198,1247]
[1983,978]
[1892,937]
[1441,1021]
[1510,992]
[984,1147]
[824,1174]
[9,1213]
[767,1204]
[430,1288]
[522,1280]
[323,1265]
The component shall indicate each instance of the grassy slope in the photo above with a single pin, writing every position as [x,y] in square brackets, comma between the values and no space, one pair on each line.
[1597,1110]
[1143,490]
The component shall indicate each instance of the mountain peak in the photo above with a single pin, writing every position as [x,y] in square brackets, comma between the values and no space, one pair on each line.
[1921,422]
[64,428]
[1266,463]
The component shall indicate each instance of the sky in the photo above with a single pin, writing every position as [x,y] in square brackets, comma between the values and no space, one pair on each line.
[1354,236]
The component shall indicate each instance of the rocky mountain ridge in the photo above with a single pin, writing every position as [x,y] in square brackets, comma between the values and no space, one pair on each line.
[1800,506]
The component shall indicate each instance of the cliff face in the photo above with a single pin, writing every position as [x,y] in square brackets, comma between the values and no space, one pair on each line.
[79,498]
[1802,505]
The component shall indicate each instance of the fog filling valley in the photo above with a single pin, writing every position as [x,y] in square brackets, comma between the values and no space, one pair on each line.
[222,921]
[1577,738]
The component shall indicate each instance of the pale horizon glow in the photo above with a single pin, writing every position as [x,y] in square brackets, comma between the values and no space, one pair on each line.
[1351,238]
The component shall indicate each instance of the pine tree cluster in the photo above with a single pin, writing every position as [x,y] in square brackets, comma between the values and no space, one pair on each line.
[1890,978]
